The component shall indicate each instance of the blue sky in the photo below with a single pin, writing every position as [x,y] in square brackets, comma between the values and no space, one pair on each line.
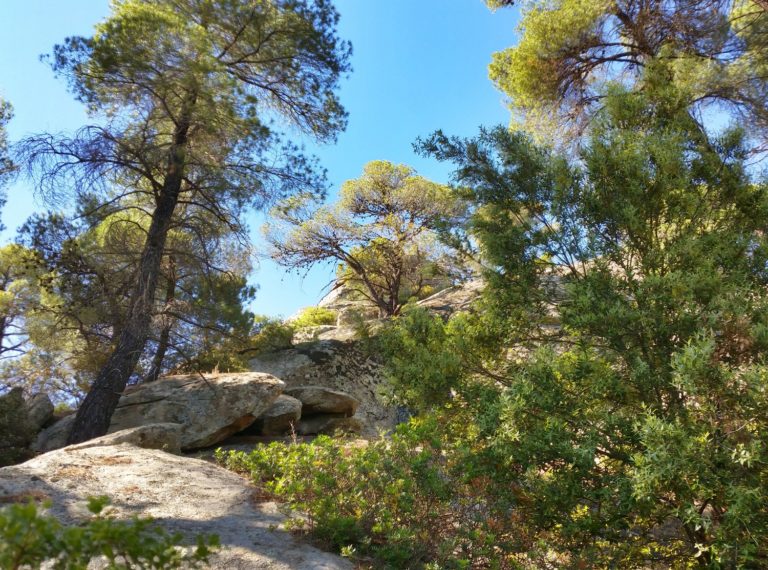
[419,65]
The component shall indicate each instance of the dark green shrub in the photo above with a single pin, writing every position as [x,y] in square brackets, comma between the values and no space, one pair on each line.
[270,334]
[29,538]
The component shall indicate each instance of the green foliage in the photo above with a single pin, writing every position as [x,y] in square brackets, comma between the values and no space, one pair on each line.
[21,276]
[571,51]
[417,345]
[313,317]
[30,538]
[616,362]
[7,167]
[406,501]
[270,334]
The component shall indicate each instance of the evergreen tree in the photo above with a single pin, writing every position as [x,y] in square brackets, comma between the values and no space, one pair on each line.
[631,430]
[186,89]
[381,232]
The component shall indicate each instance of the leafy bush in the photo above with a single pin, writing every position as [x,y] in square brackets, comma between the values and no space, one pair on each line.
[314,317]
[408,502]
[29,538]
[222,357]
[414,346]
[270,334]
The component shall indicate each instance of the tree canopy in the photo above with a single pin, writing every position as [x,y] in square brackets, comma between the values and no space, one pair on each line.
[381,232]
[570,51]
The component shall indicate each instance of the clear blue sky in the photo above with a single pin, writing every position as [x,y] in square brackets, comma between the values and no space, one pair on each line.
[419,65]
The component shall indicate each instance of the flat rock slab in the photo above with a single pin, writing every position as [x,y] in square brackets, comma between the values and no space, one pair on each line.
[209,408]
[152,436]
[322,400]
[182,494]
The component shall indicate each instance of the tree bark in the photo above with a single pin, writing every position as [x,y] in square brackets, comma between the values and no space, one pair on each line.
[165,334]
[96,411]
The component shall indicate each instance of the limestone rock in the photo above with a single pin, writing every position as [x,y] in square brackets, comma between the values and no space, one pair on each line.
[281,415]
[183,495]
[309,334]
[328,424]
[39,410]
[210,409]
[166,437]
[321,400]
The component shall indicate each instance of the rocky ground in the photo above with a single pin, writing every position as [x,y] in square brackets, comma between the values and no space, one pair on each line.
[182,494]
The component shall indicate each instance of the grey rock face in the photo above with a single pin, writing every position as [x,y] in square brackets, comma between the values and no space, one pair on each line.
[321,400]
[183,495]
[55,436]
[166,437]
[39,410]
[281,415]
[16,430]
[210,409]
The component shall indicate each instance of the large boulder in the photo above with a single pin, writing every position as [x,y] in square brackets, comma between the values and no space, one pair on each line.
[153,436]
[183,495]
[209,408]
[345,367]
[55,436]
[16,430]
[321,400]
[40,410]
[280,417]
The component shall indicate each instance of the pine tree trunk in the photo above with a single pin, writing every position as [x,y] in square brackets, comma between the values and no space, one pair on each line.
[165,334]
[96,411]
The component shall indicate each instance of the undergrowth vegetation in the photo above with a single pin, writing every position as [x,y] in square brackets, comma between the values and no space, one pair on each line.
[417,499]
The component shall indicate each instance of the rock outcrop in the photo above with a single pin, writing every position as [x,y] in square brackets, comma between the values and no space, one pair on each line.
[342,366]
[453,299]
[40,411]
[333,358]
[183,495]
[16,429]
[321,400]
[209,408]
[166,437]
[280,417]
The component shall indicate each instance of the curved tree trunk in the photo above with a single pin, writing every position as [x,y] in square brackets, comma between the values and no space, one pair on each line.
[96,411]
